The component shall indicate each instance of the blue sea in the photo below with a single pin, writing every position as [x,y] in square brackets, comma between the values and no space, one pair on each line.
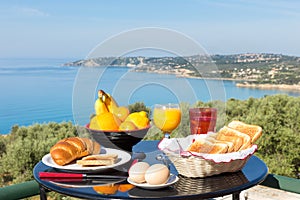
[42,90]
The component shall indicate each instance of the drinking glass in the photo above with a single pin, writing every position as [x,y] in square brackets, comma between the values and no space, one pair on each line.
[166,117]
[203,120]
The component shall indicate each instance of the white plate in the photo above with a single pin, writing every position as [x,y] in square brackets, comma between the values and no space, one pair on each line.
[123,157]
[172,179]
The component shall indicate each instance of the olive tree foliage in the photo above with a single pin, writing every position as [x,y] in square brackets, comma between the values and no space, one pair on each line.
[279,117]
[25,147]
[139,106]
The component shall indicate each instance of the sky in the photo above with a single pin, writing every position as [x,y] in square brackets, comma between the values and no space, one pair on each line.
[71,29]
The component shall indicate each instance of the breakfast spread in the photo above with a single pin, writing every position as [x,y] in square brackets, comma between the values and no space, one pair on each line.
[142,172]
[235,137]
[234,142]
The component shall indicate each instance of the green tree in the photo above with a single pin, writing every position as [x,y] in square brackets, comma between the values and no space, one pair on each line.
[25,146]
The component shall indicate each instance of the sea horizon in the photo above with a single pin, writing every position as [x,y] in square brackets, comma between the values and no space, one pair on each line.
[41,90]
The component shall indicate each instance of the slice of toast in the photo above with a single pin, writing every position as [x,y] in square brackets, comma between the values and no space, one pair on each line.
[101,157]
[229,144]
[253,131]
[98,160]
[236,141]
[219,147]
[201,145]
[246,140]
[213,139]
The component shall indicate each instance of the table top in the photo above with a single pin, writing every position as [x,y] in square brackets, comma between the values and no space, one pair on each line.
[252,174]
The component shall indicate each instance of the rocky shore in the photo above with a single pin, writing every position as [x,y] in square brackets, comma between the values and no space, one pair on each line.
[186,74]
[270,86]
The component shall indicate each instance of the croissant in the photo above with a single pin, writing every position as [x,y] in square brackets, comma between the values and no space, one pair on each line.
[67,150]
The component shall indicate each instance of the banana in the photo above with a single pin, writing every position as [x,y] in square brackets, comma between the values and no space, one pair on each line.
[108,100]
[100,107]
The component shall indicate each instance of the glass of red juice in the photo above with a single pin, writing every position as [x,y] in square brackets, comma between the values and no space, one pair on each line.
[203,120]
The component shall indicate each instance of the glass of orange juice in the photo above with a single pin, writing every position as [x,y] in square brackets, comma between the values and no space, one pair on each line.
[166,117]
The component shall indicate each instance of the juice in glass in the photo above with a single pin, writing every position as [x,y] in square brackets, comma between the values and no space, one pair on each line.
[203,120]
[166,117]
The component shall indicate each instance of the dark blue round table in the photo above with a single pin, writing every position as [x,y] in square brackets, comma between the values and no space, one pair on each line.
[254,172]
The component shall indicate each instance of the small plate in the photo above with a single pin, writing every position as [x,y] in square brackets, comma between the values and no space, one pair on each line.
[123,157]
[172,179]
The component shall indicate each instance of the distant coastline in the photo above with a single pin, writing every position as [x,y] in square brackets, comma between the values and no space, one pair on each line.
[265,86]
[270,86]
[249,70]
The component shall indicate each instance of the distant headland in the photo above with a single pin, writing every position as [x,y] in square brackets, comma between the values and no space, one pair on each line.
[256,70]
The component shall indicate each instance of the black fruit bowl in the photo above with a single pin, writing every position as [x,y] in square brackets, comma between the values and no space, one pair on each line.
[123,140]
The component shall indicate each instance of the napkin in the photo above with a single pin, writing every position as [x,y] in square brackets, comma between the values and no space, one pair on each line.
[172,148]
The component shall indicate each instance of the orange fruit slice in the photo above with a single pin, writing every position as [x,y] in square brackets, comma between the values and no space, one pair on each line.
[94,123]
[106,189]
[125,187]
[139,119]
[127,126]
[108,121]
[121,112]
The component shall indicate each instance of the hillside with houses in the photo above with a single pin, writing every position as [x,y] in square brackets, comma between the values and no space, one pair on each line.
[249,69]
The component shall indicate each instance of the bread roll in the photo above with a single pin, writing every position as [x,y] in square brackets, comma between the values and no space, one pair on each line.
[63,153]
[89,145]
[96,148]
[67,150]
[253,131]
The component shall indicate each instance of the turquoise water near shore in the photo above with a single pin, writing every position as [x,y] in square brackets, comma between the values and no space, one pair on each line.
[41,90]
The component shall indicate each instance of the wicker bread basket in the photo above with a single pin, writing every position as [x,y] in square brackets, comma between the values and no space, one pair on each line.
[203,165]
[194,166]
